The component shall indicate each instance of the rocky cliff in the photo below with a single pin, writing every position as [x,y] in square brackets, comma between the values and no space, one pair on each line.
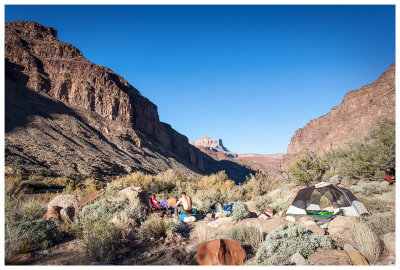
[352,120]
[68,115]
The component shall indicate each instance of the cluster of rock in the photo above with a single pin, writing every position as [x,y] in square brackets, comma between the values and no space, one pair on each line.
[353,119]
[68,115]
[218,252]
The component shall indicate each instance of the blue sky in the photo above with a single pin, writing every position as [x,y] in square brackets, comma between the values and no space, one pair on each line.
[250,75]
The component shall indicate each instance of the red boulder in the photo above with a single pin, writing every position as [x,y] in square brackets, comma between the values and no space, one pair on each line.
[220,252]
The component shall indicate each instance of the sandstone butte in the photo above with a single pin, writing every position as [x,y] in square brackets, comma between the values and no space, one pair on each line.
[67,115]
[352,120]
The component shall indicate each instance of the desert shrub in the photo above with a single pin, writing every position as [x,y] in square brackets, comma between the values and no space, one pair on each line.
[375,205]
[247,235]
[158,227]
[218,182]
[367,241]
[99,238]
[307,168]
[258,184]
[240,211]
[262,202]
[203,232]
[21,217]
[37,234]
[368,188]
[381,223]
[280,206]
[285,241]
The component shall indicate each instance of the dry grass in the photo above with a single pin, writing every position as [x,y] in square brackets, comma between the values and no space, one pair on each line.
[250,236]
[203,232]
[367,241]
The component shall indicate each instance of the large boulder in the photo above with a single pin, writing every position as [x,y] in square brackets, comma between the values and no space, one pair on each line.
[389,240]
[63,201]
[53,213]
[357,258]
[329,257]
[62,207]
[220,252]
[218,222]
[340,232]
[132,194]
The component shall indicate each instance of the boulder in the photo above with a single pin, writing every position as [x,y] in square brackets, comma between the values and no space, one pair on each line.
[340,232]
[264,216]
[297,259]
[220,252]
[329,257]
[290,218]
[266,226]
[133,194]
[219,222]
[305,220]
[67,213]
[356,258]
[389,240]
[53,213]
[172,202]
[63,201]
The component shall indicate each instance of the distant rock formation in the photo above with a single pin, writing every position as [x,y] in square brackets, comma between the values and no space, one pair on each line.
[214,145]
[352,120]
[68,115]
[266,163]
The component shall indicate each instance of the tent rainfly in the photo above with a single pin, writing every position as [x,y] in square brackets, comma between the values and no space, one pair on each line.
[341,198]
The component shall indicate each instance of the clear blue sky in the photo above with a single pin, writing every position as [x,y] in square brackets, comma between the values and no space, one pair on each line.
[250,75]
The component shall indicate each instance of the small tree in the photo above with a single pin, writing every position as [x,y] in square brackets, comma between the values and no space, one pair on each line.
[307,168]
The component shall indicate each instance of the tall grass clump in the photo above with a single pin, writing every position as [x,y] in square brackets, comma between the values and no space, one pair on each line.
[286,240]
[249,236]
[367,241]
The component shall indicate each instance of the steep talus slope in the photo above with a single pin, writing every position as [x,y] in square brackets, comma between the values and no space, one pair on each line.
[69,115]
[353,119]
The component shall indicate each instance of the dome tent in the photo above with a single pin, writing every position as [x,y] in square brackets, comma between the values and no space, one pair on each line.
[341,199]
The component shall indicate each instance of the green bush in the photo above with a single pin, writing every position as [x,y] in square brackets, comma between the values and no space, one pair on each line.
[99,238]
[286,240]
[368,188]
[158,227]
[258,184]
[37,234]
[262,202]
[240,211]
[308,168]
[21,220]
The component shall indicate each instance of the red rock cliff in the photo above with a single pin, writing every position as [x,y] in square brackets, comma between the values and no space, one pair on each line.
[353,119]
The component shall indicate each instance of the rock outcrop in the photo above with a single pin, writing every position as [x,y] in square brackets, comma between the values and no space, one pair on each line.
[67,115]
[353,119]
[214,145]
